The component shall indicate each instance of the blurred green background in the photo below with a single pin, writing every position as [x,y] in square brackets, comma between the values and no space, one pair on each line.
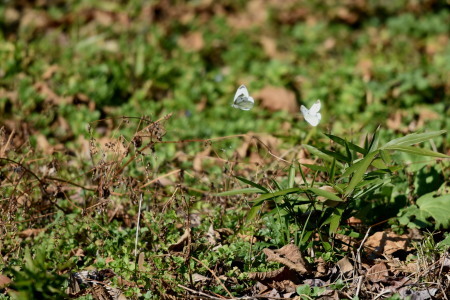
[370,62]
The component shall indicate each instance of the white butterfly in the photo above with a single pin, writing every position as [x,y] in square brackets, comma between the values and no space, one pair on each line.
[312,115]
[242,99]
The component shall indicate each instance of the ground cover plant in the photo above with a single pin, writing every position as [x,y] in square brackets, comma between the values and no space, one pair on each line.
[134,165]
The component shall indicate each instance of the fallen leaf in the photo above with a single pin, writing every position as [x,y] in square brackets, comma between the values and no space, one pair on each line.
[277,98]
[4,281]
[377,273]
[192,41]
[387,242]
[182,241]
[290,256]
[31,232]
[345,265]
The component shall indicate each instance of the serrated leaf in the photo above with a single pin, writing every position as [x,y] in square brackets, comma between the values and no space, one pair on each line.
[438,208]
[417,151]
[240,191]
[413,138]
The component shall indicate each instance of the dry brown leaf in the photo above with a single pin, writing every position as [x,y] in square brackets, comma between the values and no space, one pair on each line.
[277,98]
[43,144]
[290,256]
[192,41]
[394,121]
[30,232]
[51,70]
[38,19]
[387,242]
[199,158]
[378,272]
[270,46]
[212,236]
[255,14]
[345,265]
[182,241]
[283,279]
[364,67]
[4,281]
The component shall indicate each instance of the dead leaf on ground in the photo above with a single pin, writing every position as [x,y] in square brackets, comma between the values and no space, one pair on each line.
[378,272]
[192,41]
[277,98]
[290,256]
[283,279]
[4,281]
[345,266]
[51,70]
[31,232]
[182,241]
[387,242]
[255,14]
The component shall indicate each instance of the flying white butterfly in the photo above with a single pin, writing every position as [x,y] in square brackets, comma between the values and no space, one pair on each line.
[312,115]
[242,99]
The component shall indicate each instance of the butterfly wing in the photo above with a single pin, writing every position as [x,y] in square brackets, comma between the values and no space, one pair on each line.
[242,99]
[244,103]
[315,107]
[310,117]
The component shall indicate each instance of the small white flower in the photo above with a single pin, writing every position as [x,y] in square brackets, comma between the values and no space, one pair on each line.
[242,99]
[312,115]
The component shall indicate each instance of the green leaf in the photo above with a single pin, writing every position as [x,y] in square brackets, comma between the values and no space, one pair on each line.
[413,138]
[316,168]
[332,171]
[360,171]
[336,155]
[253,184]
[438,208]
[343,142]
[302,174]
[240,191]
[375,139]
[253,212]
[385,156]
[321,155]
[417,151]
[291,176]
[277,194]
[335,220]
[323,193]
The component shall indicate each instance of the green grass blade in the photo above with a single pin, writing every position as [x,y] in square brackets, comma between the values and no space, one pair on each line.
[253,184]
[277,194]
[417,151]
[291,177]
[413,138]
[324,193]
[363,165]
[240,191]
[343,142]
[320,154]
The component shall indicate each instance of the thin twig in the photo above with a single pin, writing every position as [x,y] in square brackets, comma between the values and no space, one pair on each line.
[214,275]
[137,227]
